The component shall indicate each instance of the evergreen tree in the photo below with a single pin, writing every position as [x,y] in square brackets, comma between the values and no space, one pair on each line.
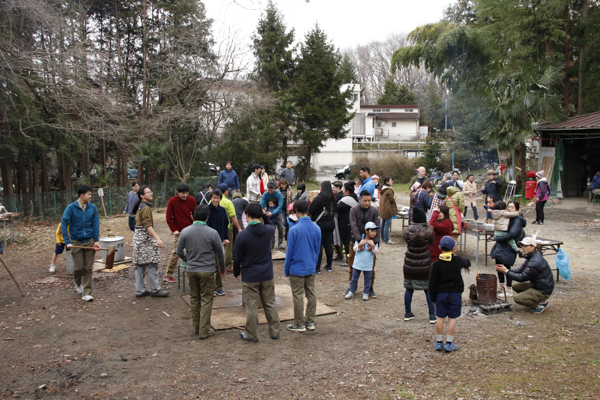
[318,96]
[348,70]
[396,94]
[275,64]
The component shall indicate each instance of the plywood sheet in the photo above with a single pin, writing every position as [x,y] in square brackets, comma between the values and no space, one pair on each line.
[547,165]
[277,255]
[226,315]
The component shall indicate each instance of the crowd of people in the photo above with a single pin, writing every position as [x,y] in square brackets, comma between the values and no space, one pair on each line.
[223,229]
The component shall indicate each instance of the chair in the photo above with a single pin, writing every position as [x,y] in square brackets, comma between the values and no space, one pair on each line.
[179,267]
[510,191]
[595,199]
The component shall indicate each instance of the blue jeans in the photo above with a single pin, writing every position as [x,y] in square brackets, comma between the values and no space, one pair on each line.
[385,229]
[354,282]
[408,295]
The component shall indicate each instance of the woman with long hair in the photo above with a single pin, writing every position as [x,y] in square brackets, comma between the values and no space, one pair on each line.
[322,211]
[146,247]
[301,194]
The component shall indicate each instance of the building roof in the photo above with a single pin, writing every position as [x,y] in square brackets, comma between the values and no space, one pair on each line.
[577,123]
[396,115]
[389,106]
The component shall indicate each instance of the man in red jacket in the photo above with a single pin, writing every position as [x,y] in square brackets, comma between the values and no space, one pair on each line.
[180,214]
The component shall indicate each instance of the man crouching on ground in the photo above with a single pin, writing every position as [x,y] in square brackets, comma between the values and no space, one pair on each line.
[304,245]
[536,283]
[252,258]
[197,246]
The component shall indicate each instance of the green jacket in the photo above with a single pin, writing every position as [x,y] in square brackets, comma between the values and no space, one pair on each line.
[417,179]
[458,197]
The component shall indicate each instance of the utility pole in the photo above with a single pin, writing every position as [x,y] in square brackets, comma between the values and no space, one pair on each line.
[446,115]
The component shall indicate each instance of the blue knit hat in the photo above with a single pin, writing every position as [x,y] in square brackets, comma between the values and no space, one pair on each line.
[447,243]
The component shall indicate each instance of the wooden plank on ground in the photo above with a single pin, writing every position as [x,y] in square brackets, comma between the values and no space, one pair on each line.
[235,316]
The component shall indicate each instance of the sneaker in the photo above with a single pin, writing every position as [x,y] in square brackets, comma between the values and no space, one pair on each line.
[281,247]
[346,292]
[328,269]
[408,316]
[365,297]
[318,272]
[389,242]
[509,292]
[169,279]
[439,346]
[536,222]
[372,293]
[449,347]
[348,295]
[160,293]
[245,337]
[202,337]
[541,222]
[540,308]
[432,320]
[146,293]
[220,292]
[310,326]
[79,289]
[87,297]
[296,328]
[52,268]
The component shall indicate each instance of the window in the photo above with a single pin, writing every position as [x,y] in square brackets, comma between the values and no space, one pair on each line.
[354,96]
[393,124]
[379,124]
[377,110]
[386,110]
[409,110]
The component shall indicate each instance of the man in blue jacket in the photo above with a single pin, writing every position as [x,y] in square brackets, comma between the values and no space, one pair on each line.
[272,193]
[229,177]
[303,247]
[367,184]
[80,226]
[252,258]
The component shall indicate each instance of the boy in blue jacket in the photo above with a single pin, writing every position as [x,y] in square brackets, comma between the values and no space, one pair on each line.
[80,226]
[303,247]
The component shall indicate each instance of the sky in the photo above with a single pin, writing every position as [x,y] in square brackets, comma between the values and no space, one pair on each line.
[346,23]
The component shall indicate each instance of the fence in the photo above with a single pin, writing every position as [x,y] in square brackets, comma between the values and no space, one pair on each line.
[52,204]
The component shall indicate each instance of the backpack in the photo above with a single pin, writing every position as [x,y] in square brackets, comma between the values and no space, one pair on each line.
[548,189]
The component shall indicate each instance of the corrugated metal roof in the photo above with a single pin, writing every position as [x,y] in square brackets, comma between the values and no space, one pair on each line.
[389,106]
[396,115]
[579,122]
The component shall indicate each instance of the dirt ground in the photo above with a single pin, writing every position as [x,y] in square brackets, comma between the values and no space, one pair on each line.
[54,345]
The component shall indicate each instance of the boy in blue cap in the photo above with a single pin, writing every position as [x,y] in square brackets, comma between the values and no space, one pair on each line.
[445,288]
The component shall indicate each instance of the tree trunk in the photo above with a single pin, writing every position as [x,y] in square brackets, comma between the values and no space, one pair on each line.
[67,175]
[22,175]
[548,47]
[584,14]
[567,55]
[7,166]
[85,165]
[44,177]
[308,158]
[119,162]
[102,145]
[61,173]
[124,165]
[31,178]
[140,177]
[523,164]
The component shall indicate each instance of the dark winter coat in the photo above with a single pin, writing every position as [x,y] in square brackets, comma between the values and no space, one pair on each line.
[535,270]
[502,252]
[343,207]
[422,200]
[417,259]
[492,189]
[252,253]
[446,276]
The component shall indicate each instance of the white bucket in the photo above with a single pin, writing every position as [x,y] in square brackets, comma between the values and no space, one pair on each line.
[70,264]
[118,242]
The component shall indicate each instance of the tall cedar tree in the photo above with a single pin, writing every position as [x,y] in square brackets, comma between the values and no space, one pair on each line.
[274,66]
[323,106]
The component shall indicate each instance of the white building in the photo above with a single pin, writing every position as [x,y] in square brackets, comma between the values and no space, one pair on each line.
[371,123]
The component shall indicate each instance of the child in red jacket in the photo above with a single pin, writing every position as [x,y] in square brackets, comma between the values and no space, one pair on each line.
[442,226]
